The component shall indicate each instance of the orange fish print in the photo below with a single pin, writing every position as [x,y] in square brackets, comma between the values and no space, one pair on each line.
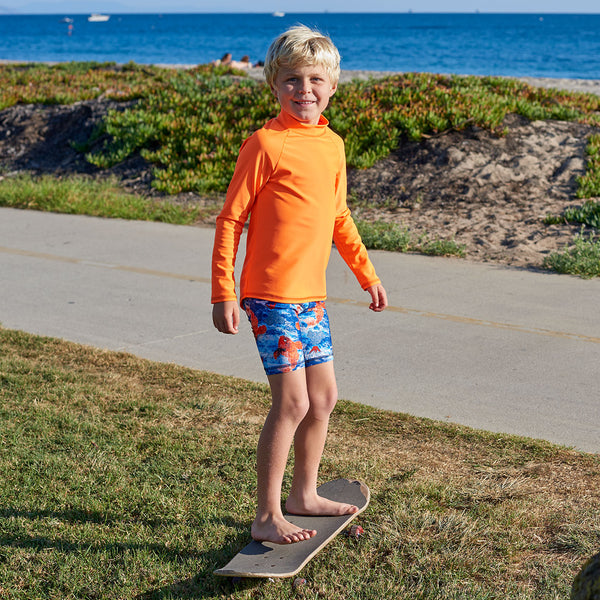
[289,349]
[256,329]
[319,314]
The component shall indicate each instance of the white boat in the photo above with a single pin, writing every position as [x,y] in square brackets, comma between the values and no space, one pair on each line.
[278,13]
[66,20]
[98,18]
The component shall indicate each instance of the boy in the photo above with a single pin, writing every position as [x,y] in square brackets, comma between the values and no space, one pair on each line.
[291,176]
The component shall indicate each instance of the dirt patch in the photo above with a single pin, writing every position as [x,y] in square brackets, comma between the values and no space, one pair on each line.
[41,138]
[488,192]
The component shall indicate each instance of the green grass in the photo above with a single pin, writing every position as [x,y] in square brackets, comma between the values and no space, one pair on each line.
[84,196]
[381,235]
[121,478]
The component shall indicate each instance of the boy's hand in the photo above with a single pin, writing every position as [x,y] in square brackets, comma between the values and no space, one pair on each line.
[226,316]
[378,296]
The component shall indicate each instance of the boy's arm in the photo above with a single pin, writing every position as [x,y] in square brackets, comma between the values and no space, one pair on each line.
[352,250]
[252,170]
[350,246]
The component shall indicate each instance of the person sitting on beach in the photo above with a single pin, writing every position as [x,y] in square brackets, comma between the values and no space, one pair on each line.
[290,179]
[223,61]
[243,63]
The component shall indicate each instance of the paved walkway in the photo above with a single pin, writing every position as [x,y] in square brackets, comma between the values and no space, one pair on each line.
[499,349]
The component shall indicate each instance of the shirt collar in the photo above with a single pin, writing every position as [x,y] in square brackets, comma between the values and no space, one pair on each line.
[289,122]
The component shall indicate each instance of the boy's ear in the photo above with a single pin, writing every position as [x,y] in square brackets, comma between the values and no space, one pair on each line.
[333,90]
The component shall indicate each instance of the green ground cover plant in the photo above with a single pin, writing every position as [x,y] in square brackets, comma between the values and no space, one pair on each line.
[121,478]
[192,128]
[589,187]
[65,83]
[582,259]
[589,184]
[586,214]
[197,118]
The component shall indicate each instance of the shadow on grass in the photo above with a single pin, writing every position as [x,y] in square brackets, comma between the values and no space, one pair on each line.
[79,516]
[203,585]
[206,584]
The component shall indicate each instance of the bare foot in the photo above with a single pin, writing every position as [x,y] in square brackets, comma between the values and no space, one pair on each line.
[279,531]
[318,506]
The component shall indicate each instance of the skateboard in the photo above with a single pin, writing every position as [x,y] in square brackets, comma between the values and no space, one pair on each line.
[265,559]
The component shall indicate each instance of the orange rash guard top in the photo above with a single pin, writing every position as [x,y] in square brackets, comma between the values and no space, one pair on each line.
[290,179]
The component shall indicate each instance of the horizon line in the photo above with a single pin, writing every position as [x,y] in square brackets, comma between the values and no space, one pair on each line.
[9,12]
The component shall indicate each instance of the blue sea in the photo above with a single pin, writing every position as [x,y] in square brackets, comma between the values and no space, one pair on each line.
[537,45]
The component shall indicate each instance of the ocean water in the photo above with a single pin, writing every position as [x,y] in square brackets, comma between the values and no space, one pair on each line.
[537,45]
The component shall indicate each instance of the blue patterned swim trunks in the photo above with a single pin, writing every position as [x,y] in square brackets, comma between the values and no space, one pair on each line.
[289,336]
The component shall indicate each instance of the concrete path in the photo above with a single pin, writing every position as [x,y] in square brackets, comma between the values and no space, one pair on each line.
[500,349]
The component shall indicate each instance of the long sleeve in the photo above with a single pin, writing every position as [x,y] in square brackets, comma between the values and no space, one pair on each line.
[347,239]
[252,171]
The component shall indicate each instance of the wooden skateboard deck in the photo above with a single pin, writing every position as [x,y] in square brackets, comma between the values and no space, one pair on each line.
[265,559]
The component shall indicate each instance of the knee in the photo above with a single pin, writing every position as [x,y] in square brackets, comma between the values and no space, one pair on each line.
[294,408]
[322,404]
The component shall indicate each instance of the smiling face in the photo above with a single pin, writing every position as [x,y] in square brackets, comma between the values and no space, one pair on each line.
[303,91]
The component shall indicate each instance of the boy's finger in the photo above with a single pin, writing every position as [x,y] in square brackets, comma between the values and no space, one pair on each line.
[231,323]
[379,299]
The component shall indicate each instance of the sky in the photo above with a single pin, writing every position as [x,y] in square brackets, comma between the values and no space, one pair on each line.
[291,6]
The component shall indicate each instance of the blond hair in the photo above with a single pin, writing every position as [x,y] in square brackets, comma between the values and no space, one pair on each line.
[302,46]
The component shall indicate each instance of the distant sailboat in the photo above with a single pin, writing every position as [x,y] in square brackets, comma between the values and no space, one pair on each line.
[278,13]
[66,20]
[97,18]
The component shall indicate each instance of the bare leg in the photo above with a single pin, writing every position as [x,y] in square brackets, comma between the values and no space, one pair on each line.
[309,444]
[289,407]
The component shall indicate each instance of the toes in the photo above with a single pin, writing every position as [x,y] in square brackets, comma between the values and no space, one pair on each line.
[306,534]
